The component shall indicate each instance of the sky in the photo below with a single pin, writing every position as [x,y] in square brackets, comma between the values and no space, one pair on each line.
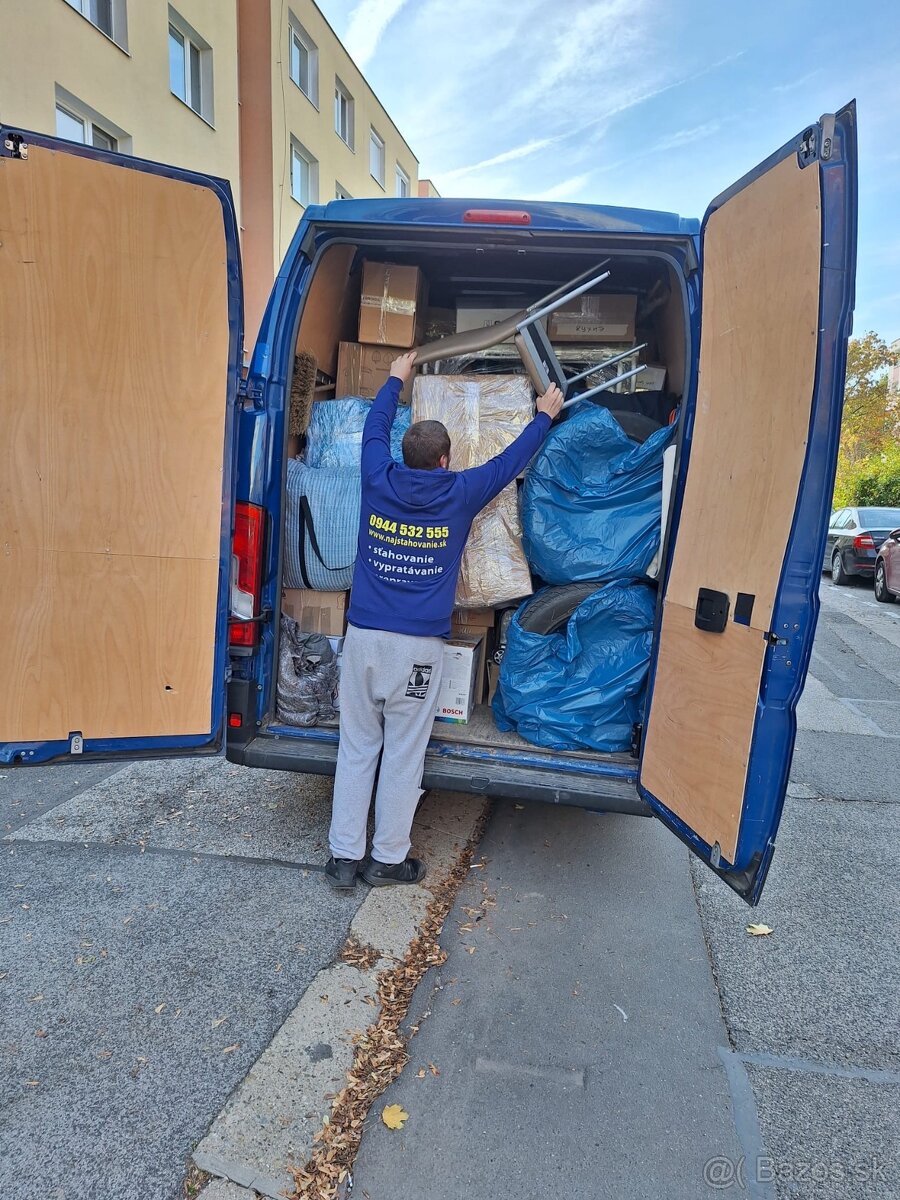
[645,103]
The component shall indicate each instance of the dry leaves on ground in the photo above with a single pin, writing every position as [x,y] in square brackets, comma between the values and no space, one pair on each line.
[759,930]
[358,955]
[394,1116]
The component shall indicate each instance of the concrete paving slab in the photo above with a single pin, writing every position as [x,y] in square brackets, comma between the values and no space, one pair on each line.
[826,984]
[206,805]
[136,993]
[827,1138]
[585,1017]
[221,1189]
[270,1120]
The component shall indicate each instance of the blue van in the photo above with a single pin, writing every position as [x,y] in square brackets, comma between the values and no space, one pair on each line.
[143,470]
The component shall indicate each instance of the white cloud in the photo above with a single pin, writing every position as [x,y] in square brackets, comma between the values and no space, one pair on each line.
[505,156]
[367,24]
[683,137]
[567,189]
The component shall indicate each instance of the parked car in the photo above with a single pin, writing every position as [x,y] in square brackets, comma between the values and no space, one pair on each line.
[143,493]
[854,536]
[887,566]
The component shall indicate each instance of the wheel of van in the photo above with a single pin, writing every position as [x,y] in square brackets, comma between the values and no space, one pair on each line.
[838,575]
[881,587]
[550,610]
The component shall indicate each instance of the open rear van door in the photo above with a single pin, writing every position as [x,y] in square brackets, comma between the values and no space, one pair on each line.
[120,326]
[740,597]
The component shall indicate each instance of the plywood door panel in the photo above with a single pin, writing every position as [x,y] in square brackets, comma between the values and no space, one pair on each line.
[761,265]
[757,369]
[697,743]
[114,342]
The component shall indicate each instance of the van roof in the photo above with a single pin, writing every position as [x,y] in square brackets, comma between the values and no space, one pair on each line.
[558,217]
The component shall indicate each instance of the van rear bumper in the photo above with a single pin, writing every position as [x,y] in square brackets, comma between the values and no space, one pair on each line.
[507,780]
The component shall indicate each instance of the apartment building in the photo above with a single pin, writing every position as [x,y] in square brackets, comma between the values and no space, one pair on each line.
[259,92]
[894,372]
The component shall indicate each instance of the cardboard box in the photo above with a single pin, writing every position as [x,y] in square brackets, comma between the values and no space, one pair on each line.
[482,617]
[362,370]
[459,679]
[594,318]
[474,633]
[390,305]
[480,317]
[316,612]
[651,379]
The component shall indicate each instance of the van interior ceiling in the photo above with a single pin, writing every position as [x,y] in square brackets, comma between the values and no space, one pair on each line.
[501,276]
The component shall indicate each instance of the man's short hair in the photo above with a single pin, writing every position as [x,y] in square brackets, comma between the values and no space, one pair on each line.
[424,445]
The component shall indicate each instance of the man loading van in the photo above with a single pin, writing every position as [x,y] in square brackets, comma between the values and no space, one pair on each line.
[414,521]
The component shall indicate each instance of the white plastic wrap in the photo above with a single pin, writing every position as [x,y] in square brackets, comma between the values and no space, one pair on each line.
[483,414]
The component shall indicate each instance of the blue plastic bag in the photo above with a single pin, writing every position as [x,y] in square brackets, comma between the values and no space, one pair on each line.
[334,436]
[581,688]
[591,500]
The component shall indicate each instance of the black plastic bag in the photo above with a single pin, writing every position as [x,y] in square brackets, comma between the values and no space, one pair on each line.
[307,676]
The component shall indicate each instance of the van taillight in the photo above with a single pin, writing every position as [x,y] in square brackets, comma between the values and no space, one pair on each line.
[864,541]
[246,573]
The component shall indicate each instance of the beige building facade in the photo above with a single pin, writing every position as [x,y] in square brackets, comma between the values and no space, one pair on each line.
[259,92]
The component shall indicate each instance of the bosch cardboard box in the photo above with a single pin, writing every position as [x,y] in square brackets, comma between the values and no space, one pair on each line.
[594,319]
[362,370]
[459,679]
[391,304]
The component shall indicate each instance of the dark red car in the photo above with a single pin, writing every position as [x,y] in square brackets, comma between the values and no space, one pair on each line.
[887,567]
[854,536]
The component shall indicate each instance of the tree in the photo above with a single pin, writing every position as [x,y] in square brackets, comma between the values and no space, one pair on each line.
[871,421]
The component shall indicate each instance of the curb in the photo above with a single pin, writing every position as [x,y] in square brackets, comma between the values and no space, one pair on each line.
[270,1121]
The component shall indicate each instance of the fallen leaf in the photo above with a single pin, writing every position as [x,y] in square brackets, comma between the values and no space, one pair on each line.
[470,949]
[32,1083]
[40,1033]
[159,1008]
[759,930]
[104,1054]
[39,996]
[458,1000]
[433,1069]
[394,1116]
[228,1049]
[219,1021]
[420,1074]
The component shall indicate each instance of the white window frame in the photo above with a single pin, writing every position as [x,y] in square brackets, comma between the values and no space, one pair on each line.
[341,91]
[402,182]
[118,32]
[90,119]
[340,192]
[376,142]
[298,36]
[191,39]
[300,153]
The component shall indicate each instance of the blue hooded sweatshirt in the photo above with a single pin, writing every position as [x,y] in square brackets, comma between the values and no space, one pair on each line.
[414,524]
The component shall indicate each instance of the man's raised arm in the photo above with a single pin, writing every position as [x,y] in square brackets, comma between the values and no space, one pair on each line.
[376,440]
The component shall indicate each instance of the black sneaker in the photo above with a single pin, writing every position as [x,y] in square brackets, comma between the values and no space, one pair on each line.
[379,874]
[341,873]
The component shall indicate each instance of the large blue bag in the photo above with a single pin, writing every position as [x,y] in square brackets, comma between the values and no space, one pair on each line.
[334,436]
[321,528]
[592,499]
[581,688]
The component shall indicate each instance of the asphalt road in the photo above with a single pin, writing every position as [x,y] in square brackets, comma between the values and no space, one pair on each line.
[612,1032]
[607,1028]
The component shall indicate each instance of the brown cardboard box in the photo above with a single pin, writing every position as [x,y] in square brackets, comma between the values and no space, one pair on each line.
[482,617]
[363,369]
[316,612]
[594,318]
[391,304]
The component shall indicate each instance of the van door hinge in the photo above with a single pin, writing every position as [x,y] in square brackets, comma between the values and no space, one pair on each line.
[252,391]
[16,145]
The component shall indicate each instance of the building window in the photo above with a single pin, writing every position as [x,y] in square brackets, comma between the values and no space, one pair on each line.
[402,181]
[304,175]
[78,122]
[376,156]
[190,67]
[304,60]
[106,15]
[341,193]
[343,113]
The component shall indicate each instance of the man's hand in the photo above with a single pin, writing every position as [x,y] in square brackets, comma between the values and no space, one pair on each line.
[551,402]
[401,368]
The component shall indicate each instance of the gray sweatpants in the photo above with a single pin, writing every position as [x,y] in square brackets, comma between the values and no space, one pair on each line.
[389,685]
